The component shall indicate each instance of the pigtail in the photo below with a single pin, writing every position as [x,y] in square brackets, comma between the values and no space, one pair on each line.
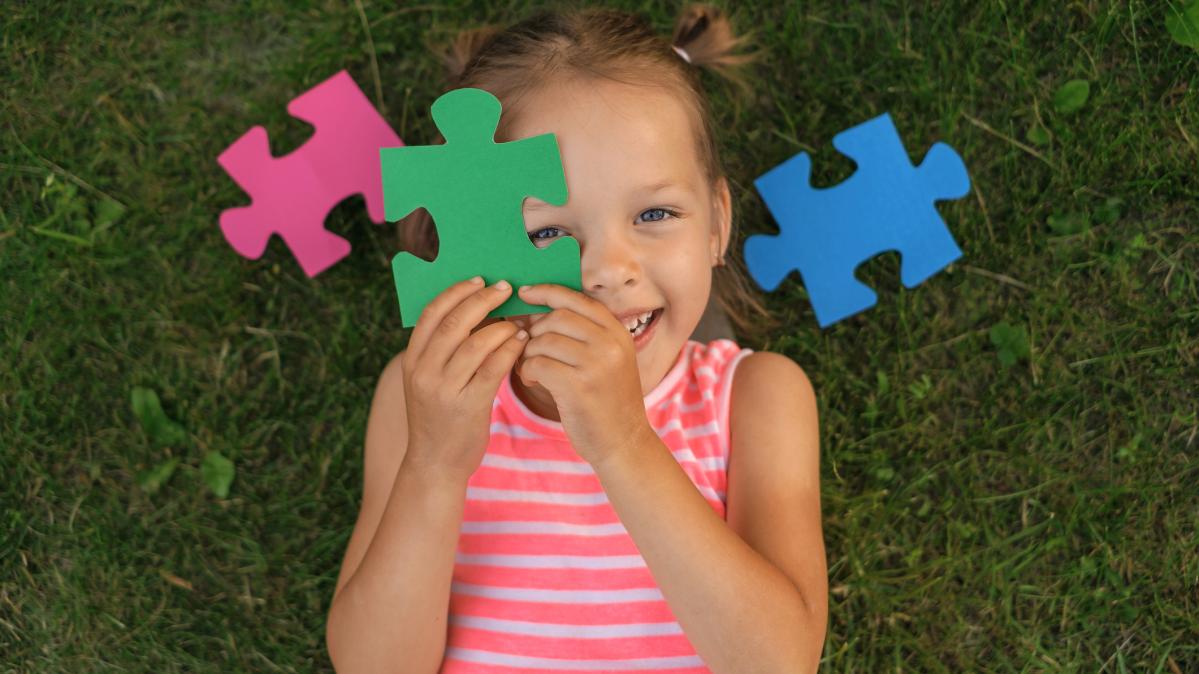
[464,50]
[706,35]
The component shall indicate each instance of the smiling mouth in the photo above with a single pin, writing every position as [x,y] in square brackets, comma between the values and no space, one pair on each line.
[643,327]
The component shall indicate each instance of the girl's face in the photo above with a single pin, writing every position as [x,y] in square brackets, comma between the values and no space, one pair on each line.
[648,223]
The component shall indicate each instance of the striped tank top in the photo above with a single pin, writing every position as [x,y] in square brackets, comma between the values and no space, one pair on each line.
[546,578]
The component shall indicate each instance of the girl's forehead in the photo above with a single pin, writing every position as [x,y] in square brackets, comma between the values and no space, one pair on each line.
[592,106]
[601,122]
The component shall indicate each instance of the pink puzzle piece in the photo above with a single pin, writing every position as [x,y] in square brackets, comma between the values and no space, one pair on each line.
[292,195]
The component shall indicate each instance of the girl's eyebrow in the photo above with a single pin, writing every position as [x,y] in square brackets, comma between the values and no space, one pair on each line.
[531,205]
[661,185]
[665,183]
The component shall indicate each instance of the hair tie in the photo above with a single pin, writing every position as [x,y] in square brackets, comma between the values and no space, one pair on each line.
[682,53]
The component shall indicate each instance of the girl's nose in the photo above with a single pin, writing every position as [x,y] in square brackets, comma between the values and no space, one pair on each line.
[609,264]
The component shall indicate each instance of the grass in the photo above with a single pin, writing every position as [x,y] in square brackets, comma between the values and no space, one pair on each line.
[979,516]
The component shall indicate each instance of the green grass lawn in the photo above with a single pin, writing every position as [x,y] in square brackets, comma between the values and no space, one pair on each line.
[1020,498]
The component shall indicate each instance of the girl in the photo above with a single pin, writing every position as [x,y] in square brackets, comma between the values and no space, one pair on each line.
[590,489]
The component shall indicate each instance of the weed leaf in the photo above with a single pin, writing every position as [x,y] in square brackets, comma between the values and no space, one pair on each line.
[1038,135]
[1010,341]
[1071,96]
[152,478]
[1069,223]
[217,472]
[108,212]
[1182,22]
[158,426]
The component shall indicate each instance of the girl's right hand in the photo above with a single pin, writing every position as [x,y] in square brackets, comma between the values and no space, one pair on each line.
[451,375]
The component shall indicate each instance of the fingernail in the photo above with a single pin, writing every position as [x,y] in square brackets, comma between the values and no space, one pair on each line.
[522,335]
[524,289]
[502,285]
[477,280]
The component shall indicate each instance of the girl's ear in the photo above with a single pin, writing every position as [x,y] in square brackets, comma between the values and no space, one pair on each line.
[722,219]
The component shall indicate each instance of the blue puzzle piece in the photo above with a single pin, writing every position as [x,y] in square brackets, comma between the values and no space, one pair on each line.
[887,204]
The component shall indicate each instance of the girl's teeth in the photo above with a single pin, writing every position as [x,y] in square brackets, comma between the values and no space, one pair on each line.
[639,320]
[641,324]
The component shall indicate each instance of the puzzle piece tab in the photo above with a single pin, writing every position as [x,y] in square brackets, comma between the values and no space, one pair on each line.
[475,190]
[887,204]
[292,195]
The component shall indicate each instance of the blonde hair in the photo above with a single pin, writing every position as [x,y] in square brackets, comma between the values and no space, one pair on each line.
[512,62]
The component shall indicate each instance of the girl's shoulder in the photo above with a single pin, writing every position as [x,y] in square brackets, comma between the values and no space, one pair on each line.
[763,377]
[724,353]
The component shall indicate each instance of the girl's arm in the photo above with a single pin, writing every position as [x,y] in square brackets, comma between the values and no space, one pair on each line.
[391,604]
[751,593]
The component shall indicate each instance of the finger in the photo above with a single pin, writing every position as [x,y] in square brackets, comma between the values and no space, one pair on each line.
[527,321]
[495,367]
[431,315]
[486,322]
[557,296]
[557,346]
[540,369]
[471,354]
[566,322]
[521,322]
[455,326]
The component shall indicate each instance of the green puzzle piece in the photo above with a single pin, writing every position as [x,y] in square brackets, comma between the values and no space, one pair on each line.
[475,189]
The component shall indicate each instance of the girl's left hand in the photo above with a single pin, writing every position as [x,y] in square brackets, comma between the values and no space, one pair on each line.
[586,359]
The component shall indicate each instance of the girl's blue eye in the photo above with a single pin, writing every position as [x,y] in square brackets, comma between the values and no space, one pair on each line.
[659,214]
[533,235]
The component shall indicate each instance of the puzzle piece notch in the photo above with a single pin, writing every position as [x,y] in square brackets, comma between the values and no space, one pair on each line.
[475,190]
[886,205]
[291,195]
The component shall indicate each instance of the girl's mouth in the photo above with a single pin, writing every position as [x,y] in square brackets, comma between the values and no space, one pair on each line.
[644,332]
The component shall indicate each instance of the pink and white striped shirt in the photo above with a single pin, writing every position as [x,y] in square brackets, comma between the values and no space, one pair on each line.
[546,578]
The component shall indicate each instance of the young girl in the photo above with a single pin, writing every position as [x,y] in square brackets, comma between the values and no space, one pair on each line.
[590,489]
